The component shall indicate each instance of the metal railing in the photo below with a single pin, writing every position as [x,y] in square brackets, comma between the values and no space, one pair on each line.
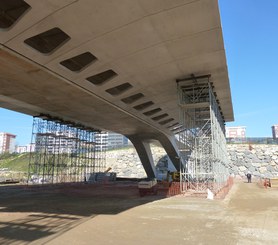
[200,182]
[252,140]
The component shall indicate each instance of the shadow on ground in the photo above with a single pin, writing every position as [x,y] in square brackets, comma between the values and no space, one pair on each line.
[35,212]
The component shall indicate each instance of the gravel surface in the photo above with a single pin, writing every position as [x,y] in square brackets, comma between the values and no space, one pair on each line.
[116,214]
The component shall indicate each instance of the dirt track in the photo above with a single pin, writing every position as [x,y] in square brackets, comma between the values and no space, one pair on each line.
[101,215]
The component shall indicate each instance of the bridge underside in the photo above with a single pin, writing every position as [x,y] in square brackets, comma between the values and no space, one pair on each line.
[111,66]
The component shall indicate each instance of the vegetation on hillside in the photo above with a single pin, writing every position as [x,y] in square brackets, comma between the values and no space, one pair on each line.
[14,161]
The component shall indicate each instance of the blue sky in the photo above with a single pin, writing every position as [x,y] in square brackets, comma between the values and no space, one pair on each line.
[251,39]
[250,29]
[18,124]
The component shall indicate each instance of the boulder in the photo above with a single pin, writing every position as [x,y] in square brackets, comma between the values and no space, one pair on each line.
[256,164]
[270,168]
[242,168]
[262,170]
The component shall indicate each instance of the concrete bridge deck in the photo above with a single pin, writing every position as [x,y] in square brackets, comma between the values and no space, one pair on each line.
[90,215]
[111,66]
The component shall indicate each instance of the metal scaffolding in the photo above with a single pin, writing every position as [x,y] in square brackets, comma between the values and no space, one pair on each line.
[202,142]
[64,152]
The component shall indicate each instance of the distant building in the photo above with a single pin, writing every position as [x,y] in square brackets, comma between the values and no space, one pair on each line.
[236,132]
[275,131]
[101,140]
[116,140]
[21,149]
[25,148]
[7,142]
[55,142]
[65,142]
[110,140]
[31,147]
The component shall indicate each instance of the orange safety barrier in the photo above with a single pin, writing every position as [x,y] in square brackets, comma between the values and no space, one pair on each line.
[267,183]
[174,189]
[264,182]
[226,188]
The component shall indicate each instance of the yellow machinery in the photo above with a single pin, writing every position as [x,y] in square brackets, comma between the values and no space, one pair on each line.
[174,176]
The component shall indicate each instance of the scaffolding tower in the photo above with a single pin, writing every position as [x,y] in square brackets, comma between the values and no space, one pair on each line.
[201,136]
[64,152]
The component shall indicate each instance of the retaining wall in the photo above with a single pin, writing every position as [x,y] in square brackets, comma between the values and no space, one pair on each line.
[260,160]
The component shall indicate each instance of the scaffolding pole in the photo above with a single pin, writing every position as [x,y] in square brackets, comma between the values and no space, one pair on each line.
[202,142]
[64,152]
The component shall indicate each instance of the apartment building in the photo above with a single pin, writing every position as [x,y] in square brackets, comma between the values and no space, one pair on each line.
[274,131]
[7,142]
[236,132]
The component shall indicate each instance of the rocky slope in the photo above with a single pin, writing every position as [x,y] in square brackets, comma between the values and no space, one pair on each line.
[260,160]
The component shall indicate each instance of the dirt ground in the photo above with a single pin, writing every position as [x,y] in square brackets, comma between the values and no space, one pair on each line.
[116,214]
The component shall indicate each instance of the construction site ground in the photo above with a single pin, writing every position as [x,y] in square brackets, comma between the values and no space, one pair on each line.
[116,214]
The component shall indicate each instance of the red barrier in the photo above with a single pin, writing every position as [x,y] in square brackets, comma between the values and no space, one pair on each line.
[174,189]
[225,189]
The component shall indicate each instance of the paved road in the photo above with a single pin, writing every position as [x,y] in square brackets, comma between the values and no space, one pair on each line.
[248,215]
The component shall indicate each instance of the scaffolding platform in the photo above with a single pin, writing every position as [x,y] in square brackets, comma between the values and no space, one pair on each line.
[201,136]
[64,152]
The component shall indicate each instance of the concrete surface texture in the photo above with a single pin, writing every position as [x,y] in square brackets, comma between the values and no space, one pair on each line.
[111,66]
[146,44]
[90,215]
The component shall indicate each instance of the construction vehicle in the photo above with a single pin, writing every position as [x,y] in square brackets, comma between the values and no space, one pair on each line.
[173,176]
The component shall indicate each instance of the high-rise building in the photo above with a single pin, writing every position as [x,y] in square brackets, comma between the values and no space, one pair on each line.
[101,140]
[236,132]
[116,140]
[110,140]
[7,142]
[56,142]
[275,131]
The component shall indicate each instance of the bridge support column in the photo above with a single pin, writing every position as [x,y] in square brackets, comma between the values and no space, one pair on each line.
[144,152]
[171,148]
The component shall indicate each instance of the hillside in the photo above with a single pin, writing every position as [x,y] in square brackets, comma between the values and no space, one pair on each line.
[260,160]
[15,162]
